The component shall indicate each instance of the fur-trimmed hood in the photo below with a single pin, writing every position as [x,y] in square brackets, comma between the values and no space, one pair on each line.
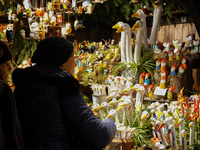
[43,81]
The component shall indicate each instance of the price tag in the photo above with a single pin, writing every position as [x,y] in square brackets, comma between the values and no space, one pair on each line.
[159,91]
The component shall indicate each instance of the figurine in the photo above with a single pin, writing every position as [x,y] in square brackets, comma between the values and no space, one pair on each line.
[22,33]
[9,33]
[163,64]
[196,45]
[141,13]
[184,62]
[166,56]
[178,54]
[181,71]
[162,82]
[158,63]
[171,55]
[158,8]
[150,91]
[189,43]
[169,93]
[180,96]
[158,47]
[163,72]
[139,27]
[173,70]
[141,79]
[167,46]
[180,46]
[175,44]
[147,76]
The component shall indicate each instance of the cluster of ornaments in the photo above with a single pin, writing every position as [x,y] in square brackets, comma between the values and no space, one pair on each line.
[165,118]
[40,18]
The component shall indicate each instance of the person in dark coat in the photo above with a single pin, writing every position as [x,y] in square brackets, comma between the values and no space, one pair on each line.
[52,111]
[10,129]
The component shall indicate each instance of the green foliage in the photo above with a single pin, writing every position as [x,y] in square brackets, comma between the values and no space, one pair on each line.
[87,99]
[11,4]
[147,64]
[143,132]
[22,48]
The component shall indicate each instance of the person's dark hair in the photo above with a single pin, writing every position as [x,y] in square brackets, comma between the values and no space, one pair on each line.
[53,50]
[5,53]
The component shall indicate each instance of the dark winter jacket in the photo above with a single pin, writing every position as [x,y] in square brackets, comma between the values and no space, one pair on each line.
[53,113]
[10,129]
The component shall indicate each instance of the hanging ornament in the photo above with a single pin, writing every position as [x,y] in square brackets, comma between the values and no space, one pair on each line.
[49,6]
[80,10]
[53,20]
[19,8]
[58,31]
[9,33]
[46,17]
[57,5]
[59,19]
[42,11]
[63,31]
[9,14]
[78,24]
[51,13]
[27,4]
[28,12]
[22,33]
[68,28]
[37,12]
[42,34]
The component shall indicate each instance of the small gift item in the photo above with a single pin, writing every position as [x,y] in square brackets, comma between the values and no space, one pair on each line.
[163,64]
[167,46]
[175,43]
[169,92]
[173,70]
[181,71]
[171,55]
[162,82]
[141,79]
[147,76]
[184,62]
[196,46]
[178,54]
[158,61]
